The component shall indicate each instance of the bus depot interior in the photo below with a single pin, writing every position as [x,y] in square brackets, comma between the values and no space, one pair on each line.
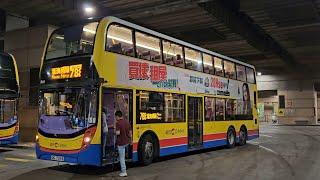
[180,89]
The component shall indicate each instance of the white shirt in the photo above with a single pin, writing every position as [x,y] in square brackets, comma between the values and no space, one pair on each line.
[104,123]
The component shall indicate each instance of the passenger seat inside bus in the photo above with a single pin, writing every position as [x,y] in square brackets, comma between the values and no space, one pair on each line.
[127,51]
[116,48]
[169,60]
[179,60]
[189,64]
[156,58]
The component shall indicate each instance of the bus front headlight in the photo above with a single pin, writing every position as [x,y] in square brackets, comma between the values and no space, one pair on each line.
[37,138]
[87,140]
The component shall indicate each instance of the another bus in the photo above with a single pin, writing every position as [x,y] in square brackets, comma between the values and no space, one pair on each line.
[9,95]
[178,97]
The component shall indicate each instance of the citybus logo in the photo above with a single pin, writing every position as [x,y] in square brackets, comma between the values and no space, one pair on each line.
[57,145]
[216,83]
[174,131]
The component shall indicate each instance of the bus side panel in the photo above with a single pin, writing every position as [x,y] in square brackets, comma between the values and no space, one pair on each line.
[172,137]
[254,133]
[215,131]
[213,135]
[173,146]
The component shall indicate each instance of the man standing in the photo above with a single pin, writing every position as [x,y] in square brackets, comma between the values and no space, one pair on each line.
[123,131]
[105,130]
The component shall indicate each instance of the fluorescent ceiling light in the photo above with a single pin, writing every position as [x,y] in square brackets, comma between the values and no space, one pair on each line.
[89,9]
[89,31]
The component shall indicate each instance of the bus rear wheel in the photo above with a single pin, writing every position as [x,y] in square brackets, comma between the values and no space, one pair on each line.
[231,138]
[147,149]
[242,136]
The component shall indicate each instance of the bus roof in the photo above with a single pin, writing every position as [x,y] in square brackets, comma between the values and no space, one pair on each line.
[163,36]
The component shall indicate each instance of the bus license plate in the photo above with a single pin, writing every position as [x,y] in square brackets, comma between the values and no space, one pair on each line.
[57,158]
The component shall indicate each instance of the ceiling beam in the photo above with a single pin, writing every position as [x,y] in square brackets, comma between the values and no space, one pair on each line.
[154,8]
[240,23]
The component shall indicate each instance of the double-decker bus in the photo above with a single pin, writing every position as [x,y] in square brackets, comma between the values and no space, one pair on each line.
[9,95]
[178,97]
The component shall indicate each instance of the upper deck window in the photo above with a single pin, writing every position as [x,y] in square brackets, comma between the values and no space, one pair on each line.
[250,75]
[173,54]
[193,59]
[148,47]
[218,66]
[119,40]
[229,70]
[208,64]
[73,40]
[241,73]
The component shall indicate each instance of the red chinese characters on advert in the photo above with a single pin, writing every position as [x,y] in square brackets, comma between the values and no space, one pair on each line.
[144,71]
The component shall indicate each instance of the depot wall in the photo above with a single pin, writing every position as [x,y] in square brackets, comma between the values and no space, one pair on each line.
[27,47]
[299,97]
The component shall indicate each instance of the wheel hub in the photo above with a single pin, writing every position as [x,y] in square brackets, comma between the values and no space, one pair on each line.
[231,138]
[149,149]
[242,135]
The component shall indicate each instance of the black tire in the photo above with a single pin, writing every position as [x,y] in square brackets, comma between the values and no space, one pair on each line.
[231,138]
[147,149]
[242,136]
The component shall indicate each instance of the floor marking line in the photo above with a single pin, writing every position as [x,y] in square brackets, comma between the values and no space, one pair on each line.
[268,149]
[30,155]
[17,159]
[263,135]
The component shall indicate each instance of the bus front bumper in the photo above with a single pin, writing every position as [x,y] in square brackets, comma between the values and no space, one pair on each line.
[89,156]
[10,140]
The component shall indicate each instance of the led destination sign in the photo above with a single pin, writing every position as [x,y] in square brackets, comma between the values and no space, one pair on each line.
[149,116]
[66,72]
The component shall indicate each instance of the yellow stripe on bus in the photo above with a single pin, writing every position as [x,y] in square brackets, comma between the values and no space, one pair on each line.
[7,132]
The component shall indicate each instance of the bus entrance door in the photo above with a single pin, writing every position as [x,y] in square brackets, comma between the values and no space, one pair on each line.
[195,122]
[114,100]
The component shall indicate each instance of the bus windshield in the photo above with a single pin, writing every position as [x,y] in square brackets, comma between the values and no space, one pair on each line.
[8,85]
[67,111]
[7,67]
[8,112]
[71,41]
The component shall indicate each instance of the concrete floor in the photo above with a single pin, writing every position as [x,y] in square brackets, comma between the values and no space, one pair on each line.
[281,152]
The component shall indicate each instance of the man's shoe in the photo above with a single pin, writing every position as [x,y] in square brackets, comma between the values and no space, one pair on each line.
[123,174]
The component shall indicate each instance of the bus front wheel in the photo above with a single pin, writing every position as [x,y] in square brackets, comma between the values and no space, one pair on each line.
[147,149]
[231,138]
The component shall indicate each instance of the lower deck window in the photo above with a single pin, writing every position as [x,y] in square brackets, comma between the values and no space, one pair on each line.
[238,110]
[220,109]
[231,109]
[158,107]
[209,109]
